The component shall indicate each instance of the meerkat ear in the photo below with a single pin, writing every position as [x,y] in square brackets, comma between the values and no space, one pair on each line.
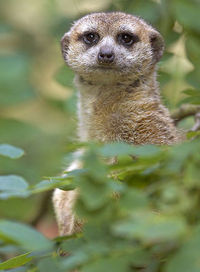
[157,45]
[65,45]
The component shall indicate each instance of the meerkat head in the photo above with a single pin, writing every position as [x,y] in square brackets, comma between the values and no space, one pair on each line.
[112,44]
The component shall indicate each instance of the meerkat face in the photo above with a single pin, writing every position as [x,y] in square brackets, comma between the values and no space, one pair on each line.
[114,43]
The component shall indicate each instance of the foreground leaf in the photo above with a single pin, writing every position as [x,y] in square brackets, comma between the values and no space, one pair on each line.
[188,257]
[16,261]
[151,227]
[13,186]
[23,235]
[11,151]
[12,183]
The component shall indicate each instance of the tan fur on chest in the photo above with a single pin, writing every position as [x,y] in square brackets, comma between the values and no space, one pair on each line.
[124,113]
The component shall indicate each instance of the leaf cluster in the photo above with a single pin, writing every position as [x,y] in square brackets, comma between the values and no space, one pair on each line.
[140,214]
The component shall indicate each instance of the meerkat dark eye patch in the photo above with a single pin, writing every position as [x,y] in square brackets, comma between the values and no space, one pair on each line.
[127,39]
[90,38]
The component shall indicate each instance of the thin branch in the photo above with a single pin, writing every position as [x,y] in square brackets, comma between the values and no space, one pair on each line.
[196,126]
[185,111]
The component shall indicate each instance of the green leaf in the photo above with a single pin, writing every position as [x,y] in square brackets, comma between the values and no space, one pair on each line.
[13,183]
[195,99]
[23,235]
[46,185]
[11,151]
[188,257]
[192,92]
[146,9]
[50,265]
[110,263]
[71,102]
[75,260]
[94,195]
[13,186]
[187,13]
[14,79]
[133,199]
[5,28]
[147,150]
[16,261]
[65,76]
[192,134]
[116,149]
[151,227]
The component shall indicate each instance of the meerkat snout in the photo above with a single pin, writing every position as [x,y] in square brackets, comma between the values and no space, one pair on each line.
[106,55]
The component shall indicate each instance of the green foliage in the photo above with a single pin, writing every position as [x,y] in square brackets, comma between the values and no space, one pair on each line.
[23,235]
[16,82]
[194,97]
[155,218]
[13,186]
[16,261]
[65,76]
[141,213]
[11,151]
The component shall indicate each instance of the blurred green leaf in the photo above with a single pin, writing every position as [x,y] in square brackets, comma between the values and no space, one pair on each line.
[187,257]
[151,227]
[133,199]
[46,185]
[50,265]
[23,235]
[110,263]
[5,28]
[146,9]
[13,186]
[65,76]
[16,261]
[75,260]
[187,13]
[116,149]
[194,99]
[11,151]
[192,92]
[71,102]
[12,183]
[15,84]
[192,134]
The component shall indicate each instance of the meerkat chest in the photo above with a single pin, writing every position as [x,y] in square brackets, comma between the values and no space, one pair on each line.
[104,115]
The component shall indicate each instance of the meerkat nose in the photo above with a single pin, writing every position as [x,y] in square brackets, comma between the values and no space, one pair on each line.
[106,55]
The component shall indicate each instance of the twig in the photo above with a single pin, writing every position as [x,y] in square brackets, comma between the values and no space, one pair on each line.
[185,111]
[197,122]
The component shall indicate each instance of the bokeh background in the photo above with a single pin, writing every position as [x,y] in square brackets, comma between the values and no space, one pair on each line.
[37,98]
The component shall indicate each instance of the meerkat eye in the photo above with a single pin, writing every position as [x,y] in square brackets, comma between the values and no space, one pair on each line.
[127,39]
[91,38]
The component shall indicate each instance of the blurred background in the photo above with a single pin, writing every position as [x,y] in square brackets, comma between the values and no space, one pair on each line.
[37,98]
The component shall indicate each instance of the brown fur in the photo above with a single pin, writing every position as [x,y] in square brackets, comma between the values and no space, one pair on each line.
[118,104]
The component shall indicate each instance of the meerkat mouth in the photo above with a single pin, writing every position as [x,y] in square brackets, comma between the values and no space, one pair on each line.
[107,67]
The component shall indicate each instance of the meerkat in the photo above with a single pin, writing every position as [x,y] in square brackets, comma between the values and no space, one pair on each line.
[114,57]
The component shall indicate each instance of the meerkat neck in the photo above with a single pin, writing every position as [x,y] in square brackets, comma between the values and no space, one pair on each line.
[102,106]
